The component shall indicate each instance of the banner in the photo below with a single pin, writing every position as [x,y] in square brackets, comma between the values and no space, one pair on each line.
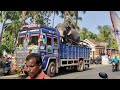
[116,26]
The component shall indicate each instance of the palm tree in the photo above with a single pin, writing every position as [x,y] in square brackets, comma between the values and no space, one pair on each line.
[54,13]
[3,19]
[77,16]
[49,13]
[72,15]
[23,17]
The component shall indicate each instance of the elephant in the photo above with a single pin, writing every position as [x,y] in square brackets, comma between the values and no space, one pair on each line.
[68,33]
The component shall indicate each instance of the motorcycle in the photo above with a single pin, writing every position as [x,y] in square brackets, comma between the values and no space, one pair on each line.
[114,66]
[6,68]
[103,75]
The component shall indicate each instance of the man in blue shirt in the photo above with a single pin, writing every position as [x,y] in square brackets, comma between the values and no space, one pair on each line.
[116,60]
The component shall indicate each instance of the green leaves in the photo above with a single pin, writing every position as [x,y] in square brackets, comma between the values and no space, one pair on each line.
[19,18]
[85,34]
[105,35]
[1,20]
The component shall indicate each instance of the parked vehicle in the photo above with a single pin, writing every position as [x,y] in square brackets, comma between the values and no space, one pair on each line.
[6,70]
[98,60]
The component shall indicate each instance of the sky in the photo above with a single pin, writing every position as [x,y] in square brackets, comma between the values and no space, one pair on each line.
[90,20]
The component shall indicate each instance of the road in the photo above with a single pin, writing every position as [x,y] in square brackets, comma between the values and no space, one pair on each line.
[91,73]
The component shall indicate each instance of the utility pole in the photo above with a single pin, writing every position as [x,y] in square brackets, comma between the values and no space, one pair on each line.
[111,43]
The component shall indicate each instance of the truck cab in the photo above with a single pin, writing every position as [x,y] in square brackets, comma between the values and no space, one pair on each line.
[38,39]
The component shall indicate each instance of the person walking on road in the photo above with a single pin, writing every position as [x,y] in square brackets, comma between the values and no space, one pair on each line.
[34,67]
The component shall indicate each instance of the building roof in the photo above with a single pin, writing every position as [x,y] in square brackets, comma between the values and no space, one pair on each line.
[94,43]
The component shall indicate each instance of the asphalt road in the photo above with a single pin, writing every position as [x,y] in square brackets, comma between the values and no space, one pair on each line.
[91,73]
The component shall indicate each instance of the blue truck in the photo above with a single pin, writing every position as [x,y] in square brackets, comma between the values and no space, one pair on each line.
[55,55]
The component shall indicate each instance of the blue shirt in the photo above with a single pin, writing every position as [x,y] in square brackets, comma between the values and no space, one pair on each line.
[116,60]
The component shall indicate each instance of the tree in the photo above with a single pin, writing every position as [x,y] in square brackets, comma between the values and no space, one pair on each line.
[105,35]
[83,33]
[17,19]
[55,13]
[49,13]
[8,41]
[39,17]
[72,15]
[24,17]
[77,16]
[3,19]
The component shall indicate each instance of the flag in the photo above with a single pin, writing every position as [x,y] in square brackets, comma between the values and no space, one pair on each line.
[116,26]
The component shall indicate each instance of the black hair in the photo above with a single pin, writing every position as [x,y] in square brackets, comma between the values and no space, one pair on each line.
[36,56]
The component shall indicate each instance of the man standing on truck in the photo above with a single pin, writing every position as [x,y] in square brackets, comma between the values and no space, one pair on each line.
[34,67]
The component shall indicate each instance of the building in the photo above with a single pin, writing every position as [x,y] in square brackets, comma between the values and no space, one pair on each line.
[96,48]
[112,51]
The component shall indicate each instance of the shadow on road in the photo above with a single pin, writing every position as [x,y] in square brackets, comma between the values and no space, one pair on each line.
[89,69]
[64,72]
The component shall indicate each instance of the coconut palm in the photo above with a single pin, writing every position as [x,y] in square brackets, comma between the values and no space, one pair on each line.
[4,16]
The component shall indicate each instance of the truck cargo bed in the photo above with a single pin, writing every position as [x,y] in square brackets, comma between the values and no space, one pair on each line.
[74,52]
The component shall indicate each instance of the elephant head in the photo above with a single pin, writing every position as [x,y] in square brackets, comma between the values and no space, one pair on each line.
[64,31]
[67,32]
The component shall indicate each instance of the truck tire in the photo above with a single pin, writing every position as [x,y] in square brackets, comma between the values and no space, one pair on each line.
[80,67]
[51,69]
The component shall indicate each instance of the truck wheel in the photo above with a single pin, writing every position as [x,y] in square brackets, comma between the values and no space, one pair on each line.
[80,67]
[51,69]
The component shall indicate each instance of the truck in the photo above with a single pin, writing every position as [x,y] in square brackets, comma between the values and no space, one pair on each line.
[55,55]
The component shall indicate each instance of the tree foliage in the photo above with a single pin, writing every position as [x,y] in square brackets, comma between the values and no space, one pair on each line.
[105,35]
[19,18]
[16,20]
[86,34]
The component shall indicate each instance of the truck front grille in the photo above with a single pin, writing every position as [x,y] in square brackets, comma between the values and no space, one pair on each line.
[21,57]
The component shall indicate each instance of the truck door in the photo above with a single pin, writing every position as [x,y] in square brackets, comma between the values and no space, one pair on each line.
[55,46]
[49,46]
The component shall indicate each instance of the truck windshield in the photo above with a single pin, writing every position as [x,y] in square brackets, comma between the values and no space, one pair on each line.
[20,41]
[33,41]
[28,39]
